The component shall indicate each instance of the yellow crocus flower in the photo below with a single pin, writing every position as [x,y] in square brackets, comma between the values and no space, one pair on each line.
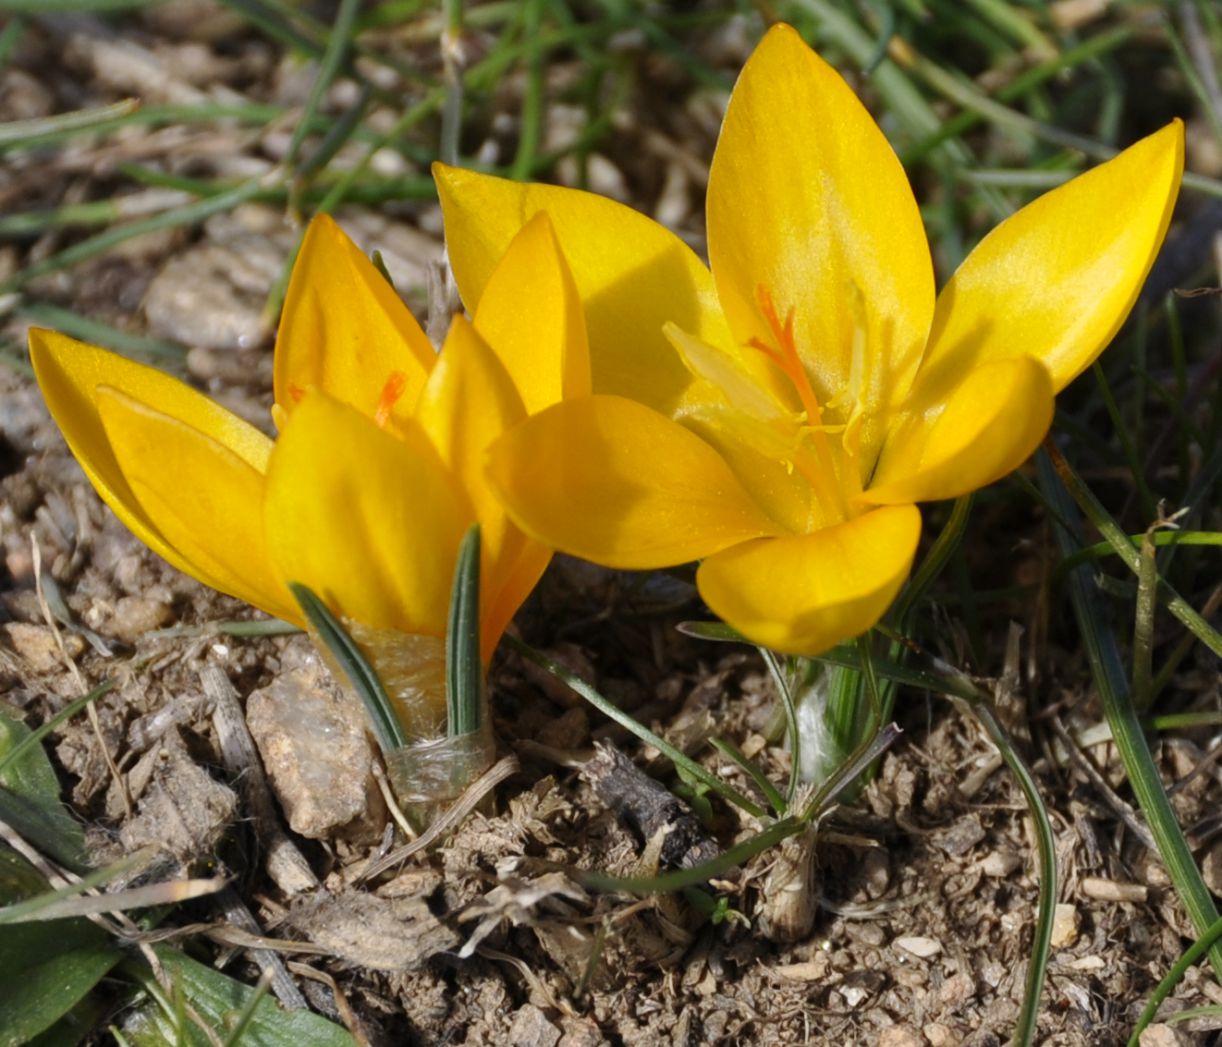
[377,471]
[778,414]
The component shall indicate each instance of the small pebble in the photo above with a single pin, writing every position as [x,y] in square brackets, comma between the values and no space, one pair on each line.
[36,645]
[938,1035]
[136,615]
[530,1028]
[919,946]
[1064,926]
[1160,1036]
[1000,864]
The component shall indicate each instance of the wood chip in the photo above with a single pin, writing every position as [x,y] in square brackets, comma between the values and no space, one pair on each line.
[1111,890]
[647,808]
[286,865]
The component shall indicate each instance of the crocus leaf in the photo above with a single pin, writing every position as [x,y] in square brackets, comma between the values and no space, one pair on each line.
[464,668]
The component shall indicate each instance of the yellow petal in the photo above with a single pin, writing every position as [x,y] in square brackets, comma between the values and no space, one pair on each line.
[69,373]
[632,274]
[369,521]
[803,594]
[992,423]
[469,402]
[346,332]
[205,500]
[808,202]
[615,482]
[530,313]
[1057,279]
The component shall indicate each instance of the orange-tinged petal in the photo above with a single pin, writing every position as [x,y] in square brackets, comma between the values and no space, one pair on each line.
[346,332]
[369,521]
[808,205]
[802,594]
[469,402]
[991,424]
[632,274]
[615,482]
[69,373]
[531,314]
[1057,279]
[205,500]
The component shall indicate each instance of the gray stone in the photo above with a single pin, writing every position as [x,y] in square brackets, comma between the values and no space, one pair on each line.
[311,738]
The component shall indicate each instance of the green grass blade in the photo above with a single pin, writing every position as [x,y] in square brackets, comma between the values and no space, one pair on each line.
[10,758]
[676,756]
[781,678]
[749,767]
[43,314]
[1041,945]
[1211,936]
[697,874]
[1108,673]
[1106,525]
[338,42]
[110,238]
[21,132]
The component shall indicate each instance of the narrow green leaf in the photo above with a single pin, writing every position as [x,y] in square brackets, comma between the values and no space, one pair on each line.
[464,670]
[1108,673]
[698,874]
[45,969]
[676,756]
[1041,945]
[223,1005]
[353,663]
[17,132]
[1211,936]
[749,767]
[338,42]
[1107,526]
[30,791]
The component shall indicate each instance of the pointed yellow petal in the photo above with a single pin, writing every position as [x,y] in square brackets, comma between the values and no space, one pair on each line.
[369,521]
[1057,279]
[806,593]
[205,500]
[617,483]
[530,313]
[69,373]
[469,402]
[345,331]
[992,423]
[808,201]
[631,273]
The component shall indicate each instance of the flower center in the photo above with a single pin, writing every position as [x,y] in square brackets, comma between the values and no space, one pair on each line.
[828,465]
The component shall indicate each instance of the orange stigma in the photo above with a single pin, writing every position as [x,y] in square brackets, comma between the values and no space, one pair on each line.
[295,392]
[785,356]
[391,392]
